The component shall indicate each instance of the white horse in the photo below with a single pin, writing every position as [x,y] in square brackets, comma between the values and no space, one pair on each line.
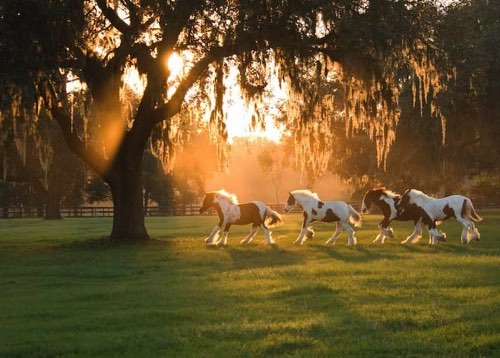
[431,209]
[386,200]
[230,212]
[326,211]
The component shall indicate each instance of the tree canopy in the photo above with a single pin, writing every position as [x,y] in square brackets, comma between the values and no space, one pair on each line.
[338,61]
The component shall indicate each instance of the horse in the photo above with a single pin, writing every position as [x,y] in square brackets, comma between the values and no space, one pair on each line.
[231,213]
[325,211]
[386,200]
[432,210]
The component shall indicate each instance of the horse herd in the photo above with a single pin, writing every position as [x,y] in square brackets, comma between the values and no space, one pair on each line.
[413,205]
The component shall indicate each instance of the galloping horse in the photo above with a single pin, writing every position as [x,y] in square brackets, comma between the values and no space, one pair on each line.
[386,200]
[231,213]
[432,210]
[326,211]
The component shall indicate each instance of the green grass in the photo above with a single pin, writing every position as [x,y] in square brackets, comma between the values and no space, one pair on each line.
[65,291]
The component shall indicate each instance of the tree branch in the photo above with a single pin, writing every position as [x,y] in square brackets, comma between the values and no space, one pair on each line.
[173,106]
[96,161]
[113,17]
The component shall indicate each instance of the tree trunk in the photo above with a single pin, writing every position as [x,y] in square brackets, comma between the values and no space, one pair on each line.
[53,205]
[126,189]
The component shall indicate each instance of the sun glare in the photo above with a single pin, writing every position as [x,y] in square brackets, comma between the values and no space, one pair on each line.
[133,80]
[175,64]
[239,114]
[238,124]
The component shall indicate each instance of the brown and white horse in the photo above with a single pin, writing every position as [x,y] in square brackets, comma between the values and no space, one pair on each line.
[432,210]
[326,211]
[386,200]
[231,213]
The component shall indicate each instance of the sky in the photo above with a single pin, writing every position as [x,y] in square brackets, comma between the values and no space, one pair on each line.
[246,180]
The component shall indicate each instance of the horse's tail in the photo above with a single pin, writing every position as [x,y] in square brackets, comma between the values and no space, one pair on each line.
[272,218]
[354,217]
[469,211]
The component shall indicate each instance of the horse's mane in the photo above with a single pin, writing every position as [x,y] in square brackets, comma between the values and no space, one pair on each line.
[388,192]
[232,198]
[305,192]
[419,194]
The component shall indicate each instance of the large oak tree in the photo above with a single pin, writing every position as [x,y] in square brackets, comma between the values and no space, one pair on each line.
[368,47]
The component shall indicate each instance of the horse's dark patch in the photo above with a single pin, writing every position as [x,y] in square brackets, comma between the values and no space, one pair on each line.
[464,208]
[291,200]
[386,210]
[314,212]
[249,214]
[448,212]
[320,204]
[426,219]
[411,212]
[304,223]
[330,217]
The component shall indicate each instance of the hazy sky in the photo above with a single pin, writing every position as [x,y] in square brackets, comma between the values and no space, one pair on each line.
[246,180]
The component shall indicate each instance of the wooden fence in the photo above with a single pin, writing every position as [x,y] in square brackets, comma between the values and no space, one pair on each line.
[178,210]
[107,211]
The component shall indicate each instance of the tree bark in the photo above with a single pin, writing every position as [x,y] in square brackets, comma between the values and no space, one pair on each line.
[126,183]
[53,205]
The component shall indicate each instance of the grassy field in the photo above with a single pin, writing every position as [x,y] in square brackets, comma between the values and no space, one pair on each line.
[65,291]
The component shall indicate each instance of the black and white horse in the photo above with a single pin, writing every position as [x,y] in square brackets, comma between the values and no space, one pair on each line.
[231,213]
[386,200]
[326,211]
[432,210]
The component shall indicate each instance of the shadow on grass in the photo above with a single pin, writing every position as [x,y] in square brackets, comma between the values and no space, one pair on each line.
[104,242]
[267,256]
[357,254]
[471,249]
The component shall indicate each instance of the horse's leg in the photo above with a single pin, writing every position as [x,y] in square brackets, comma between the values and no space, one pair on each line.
[351,239]
[210,239]
[418,232]
[303,232]
[381,236]
[267,234]
[415,235]
[338,230]
[385,230]
[310,233]
[474,232]
[251,235]
[436,236]
[465,237]
[223,239]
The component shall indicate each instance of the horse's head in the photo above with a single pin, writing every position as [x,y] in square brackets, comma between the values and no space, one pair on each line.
[208,202]
[367,201]
[290,203]
[371,196]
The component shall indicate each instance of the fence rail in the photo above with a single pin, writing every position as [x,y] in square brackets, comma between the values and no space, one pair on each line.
[178,210]
[107,211]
